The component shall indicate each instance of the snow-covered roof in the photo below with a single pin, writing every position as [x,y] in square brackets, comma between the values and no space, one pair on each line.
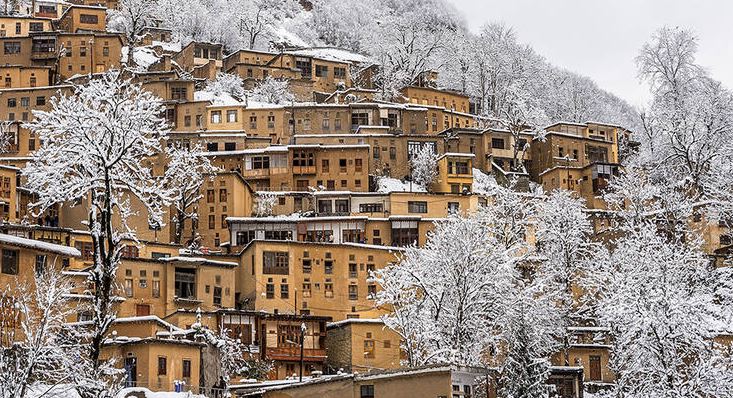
[389,184]
[199,260]
[144,57]
[295,217]
[148,318]
[217,99]
[173,46]
[456,155]
[368,321]
[332,54]
[39,245]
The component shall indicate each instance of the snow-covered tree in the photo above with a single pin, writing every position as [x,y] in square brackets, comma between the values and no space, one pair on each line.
[563,240]
[272,91]
[34,328]
[531,325]
[226,83]
[234,358]
[131,18]
[253,19]
[264,203]
[444,302]
[6,136]
[687,135]
[424,166]
[95,147]
[661,298]
[185,174]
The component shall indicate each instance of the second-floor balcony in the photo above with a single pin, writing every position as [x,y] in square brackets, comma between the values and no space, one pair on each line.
[304,169]
[292,353]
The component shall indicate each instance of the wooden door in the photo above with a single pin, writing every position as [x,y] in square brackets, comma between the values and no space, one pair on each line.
[142,310]
[595,367]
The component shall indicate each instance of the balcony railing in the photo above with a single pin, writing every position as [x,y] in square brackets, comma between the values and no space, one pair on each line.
[293,353]
[304,169]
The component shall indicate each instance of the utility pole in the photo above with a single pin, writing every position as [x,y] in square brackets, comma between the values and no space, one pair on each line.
[302,342]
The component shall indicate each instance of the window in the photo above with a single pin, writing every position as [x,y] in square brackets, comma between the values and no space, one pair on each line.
[186,368]
[359,119]
[128,287]
[185,283]
[244,237]
[12,102]
[105,51]
[284,291]
[417,207]
[368,348]
[270,291]
[90,19]
[275,263]
[307,267]
[210,198]
[357,165]
[212,221]
[325,124]
[301,158]
[217,295]
[497,143]
[162,366]
[179,93]
[271,122]
[404,236]
[25,101]
[328,266]
[461,167]
[223,195]
[216,117]
[321,71]
[156,288]
[339,73]
[453,207]
[253,122]
[353,271]
[187,121]
[40,264]
[370,208]
[324,166]
[11,47]
[367,391]
[392,153]
[377,153]
[82,51]
[353,292]
[130,251]
[327,289]
[10,262]
[40,100]
[231,116]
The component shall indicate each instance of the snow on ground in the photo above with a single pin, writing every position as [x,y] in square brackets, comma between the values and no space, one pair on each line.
[161,394]
[389,184]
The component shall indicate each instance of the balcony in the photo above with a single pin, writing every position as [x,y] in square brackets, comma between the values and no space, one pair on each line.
[257,173]
[304,169]
[293,354]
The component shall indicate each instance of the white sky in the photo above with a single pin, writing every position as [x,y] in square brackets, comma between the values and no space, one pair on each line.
[600,38]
